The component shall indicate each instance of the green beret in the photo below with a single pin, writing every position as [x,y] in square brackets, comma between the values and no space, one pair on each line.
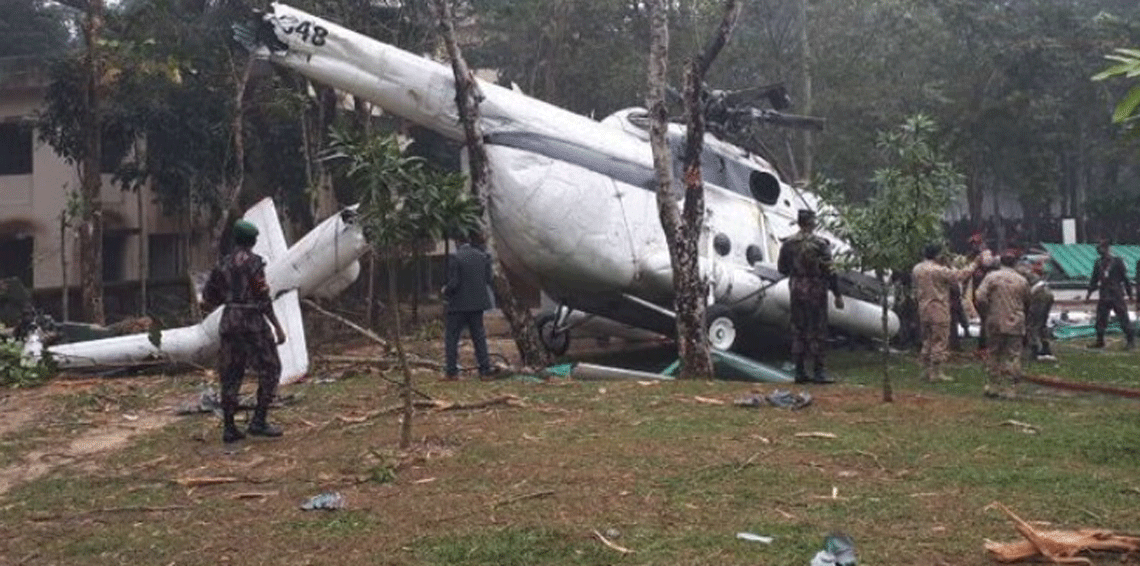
[245,228]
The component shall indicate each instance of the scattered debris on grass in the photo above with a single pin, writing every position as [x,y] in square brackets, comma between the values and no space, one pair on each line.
[329,501]
[789,400]
[707,400]
[199,482]
[753,537]
[838,550]
[254,494]
[517,498]
[611,544]
[1058,547]
[1023,427]
[817,435]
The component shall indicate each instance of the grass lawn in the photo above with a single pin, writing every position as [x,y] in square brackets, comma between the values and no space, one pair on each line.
[655,468]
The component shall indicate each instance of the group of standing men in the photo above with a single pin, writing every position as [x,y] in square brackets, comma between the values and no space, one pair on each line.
[1003,296]
[1013,302]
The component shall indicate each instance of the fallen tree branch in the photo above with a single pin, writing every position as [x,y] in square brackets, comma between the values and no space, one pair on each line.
[611,544]
[364,331]
[508,400]
[139,509]
[496,504]
[199,482]
[412,360]
[441,405]
[253,494]
[517,498]
[1058,547]
[1050,381]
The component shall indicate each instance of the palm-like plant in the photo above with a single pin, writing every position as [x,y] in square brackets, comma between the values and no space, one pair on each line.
[1128,66]
[402,203]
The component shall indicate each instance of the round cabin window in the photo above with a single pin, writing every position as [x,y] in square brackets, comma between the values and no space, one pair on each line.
[765,187]
[722,244]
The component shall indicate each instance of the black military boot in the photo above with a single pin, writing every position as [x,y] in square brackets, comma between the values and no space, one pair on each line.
[259,427]
[1130,344]
[230,432]
[1099,342]
[819,376]
[801,373]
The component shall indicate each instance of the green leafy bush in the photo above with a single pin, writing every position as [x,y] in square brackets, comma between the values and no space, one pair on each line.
[18,371]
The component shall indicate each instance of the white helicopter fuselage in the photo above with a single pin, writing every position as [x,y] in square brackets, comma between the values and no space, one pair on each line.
[573,200]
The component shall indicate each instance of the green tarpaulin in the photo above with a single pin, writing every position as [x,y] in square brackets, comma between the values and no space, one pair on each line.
[1075,261]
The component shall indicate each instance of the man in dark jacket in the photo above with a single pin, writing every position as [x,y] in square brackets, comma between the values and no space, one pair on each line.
[806,259]
[238,282]
[468,274]
[1110,279]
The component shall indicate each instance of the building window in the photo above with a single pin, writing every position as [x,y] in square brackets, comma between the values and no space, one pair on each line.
[16,259]
[15,148]
[114,257]
[165,259]
[114,148]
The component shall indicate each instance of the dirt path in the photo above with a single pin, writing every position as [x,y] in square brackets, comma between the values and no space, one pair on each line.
[100,439]
[105,430]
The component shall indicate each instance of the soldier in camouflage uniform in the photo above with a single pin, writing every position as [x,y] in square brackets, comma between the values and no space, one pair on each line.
[238,283]
[1004,297]
[934,285]
[1037,316]
[1110,279]
[984,262]
[806,259]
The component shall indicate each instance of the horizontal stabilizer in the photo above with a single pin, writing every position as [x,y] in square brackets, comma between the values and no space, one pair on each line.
[271,238]
[293,353]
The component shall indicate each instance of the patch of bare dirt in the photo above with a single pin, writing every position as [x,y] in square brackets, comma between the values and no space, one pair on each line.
[97,440]
[43,416]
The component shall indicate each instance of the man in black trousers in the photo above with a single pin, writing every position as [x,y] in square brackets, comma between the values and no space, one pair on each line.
[468,275]
[1110,279]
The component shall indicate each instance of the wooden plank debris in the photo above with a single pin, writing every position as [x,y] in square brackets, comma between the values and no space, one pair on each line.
[1057,547]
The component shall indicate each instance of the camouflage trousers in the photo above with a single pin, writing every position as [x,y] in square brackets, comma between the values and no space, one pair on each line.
[256,349]
[1037,320]
[809,325]
[1004,363]
[935,339]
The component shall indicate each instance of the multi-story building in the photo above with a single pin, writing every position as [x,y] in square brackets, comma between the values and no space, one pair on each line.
[35,184]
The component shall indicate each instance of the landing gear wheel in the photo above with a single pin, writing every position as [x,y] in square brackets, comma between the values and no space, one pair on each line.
[721,327]
[555,341]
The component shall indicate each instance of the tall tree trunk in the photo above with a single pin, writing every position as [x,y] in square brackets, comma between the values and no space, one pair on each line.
[142,191]
[91,184]
[237,178]
[805,77]
[417,267]
[397,337]
[325,204]
[65,292]
[370,317]
[888,392]
[144,247]
[467,99]
[683,227]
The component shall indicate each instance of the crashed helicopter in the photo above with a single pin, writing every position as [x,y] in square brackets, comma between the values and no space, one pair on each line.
[572,203]
[572,199]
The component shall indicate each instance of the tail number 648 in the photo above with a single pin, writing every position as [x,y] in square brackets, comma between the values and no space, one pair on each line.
[309,32]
